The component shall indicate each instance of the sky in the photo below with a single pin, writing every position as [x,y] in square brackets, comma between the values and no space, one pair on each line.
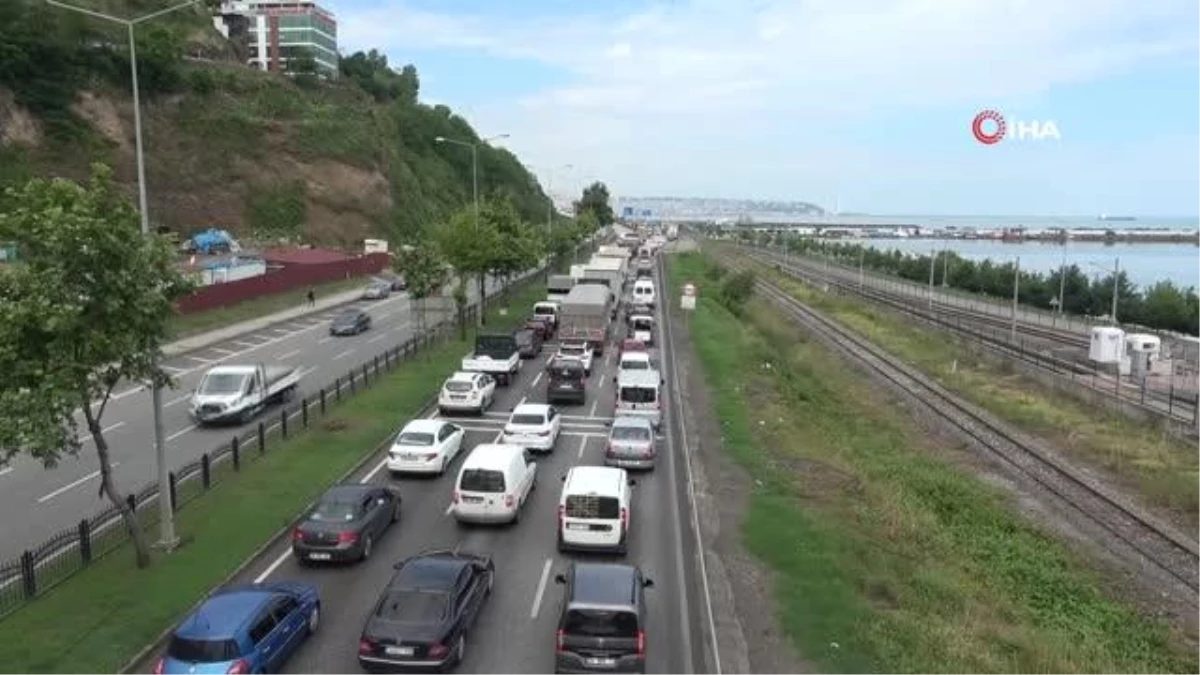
[867,104]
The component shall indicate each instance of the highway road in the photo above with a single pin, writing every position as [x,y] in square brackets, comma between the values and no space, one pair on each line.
[39,502]
[515,631]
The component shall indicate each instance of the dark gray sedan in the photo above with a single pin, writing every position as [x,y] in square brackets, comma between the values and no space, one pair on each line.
[350,322]
[631,444]
[345,523]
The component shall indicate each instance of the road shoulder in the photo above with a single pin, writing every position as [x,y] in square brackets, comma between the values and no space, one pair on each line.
[748,637]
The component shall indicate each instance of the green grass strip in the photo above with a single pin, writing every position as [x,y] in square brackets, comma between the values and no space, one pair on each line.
[887,557]
[100,618]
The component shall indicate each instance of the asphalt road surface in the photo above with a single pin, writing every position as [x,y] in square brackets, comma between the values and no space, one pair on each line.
[37,502]
[515,631]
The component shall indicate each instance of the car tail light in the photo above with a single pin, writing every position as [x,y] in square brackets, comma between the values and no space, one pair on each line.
[239,667]
[625,519]
[347,537]
[430,456]
[509,501]
[297,534]
[544,433]
[365,646]
[438,651]
[608,450]
[454,496]
[641,644]
[160,666]
[560,641]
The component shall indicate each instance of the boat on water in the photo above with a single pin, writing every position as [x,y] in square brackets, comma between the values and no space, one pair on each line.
[1104,217]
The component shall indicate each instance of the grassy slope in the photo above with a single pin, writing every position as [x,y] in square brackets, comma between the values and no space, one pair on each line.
[1159,467]
[100,618]
[887,557]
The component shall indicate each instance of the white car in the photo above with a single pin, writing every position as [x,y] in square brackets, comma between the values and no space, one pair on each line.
[464,392]
[425,446]
[579,351]
[534,426]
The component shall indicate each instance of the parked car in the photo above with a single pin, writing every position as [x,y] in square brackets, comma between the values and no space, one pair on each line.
[467,392]
[602,619]
[377,290]
[529,343]
[425,446]
[350,322]
[345,522]
[249,628]
[422,618]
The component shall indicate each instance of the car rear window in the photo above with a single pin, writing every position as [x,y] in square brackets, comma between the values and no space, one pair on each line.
[635,364]
[203,651]
[458,385]
[593,506]
[630,433]
[414,606]
[639,394]
[528,419]
[481,480]
[601,623]
[334,512]
[418,438]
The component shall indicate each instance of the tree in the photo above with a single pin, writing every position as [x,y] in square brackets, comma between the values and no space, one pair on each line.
[468,246]
[87,307]
[520,245]
[595,200]
[424,270]
[302,66]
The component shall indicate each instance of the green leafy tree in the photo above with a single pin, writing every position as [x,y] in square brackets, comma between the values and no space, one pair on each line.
[595,199]
[87,308]
[424,270]
[520,245]
[469,247]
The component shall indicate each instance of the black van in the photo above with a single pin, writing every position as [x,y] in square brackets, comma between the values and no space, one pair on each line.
[567,382]
[602,624]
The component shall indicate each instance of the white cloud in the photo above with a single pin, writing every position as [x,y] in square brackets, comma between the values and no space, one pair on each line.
[656,93]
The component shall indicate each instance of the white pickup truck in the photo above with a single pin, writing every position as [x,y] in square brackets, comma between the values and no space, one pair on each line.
[238,393]
[497,355]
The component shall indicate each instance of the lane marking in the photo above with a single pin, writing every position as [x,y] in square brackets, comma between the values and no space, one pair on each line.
[541,589]
[273,566]
[197,358]
[582,444]
[449,509]
[535,381]
[288,355]
[324,340]
[521,402]
[601,385]
[103,430]
[69,486]
[378,467]
[383,316]
[7,469]
[181,432]
[282,331]
[592,412]
[127,392]
[591,418]
[181,399]
[377,338]
[173,369]
[242,343]
[226,352]
[344,354]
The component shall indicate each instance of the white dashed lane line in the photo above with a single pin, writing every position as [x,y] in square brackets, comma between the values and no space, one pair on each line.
[343,355]
[288,355]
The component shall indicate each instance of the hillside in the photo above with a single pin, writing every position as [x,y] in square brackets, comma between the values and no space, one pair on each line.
[262,154]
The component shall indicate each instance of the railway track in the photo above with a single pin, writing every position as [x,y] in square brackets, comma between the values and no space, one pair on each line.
[1132,532]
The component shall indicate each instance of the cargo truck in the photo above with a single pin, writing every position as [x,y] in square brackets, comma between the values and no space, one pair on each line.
[498,355]
[586,314]
[235,394]
[558,285]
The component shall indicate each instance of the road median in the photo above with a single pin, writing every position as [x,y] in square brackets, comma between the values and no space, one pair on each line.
[105,614]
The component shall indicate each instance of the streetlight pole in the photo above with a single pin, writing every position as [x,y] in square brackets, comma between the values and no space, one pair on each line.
[1116,286]
[474,191]
[1016,295]
[167,537]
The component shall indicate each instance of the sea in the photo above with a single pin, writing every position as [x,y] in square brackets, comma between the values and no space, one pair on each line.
[1144,263]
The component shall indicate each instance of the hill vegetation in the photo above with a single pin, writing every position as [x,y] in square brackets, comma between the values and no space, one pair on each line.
[261,154]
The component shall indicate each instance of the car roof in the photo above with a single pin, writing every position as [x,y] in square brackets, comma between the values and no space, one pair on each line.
[347,491]
[437,571]
[603,584]
[462,376]
[638,378]
[491,456]
[223,615]
[635,356]
[531,409]
[423,425]
[630,421]
[588,479]
[352,312]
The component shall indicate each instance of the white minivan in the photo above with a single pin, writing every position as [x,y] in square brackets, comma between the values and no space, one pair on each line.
[493,484]
[639,394]
[595,510]
[643,292]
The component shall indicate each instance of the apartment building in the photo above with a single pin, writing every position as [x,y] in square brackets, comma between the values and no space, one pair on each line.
[275,31]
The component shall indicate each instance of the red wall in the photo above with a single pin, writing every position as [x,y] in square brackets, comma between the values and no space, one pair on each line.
[279,280]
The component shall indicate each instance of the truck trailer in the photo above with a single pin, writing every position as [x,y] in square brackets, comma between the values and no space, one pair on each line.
[586,314]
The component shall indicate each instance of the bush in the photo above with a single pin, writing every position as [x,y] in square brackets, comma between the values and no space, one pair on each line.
[736,291]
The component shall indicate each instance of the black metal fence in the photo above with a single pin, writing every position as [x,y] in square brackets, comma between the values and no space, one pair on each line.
[40,569]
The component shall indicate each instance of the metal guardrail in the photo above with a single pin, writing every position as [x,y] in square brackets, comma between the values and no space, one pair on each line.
[37,570]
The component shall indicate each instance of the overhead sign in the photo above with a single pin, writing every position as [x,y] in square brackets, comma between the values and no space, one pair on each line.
[688,300]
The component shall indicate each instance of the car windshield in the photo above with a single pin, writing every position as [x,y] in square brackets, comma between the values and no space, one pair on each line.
[349,317]
[413,606]
[600,623]
[593,506]
[333,512]
[572,350]
[535,420]
[458,385]
[222,383]
[630,433]
[635,364]
[203,651]
[418,438]
[639,394]
[543,311]
[481,480]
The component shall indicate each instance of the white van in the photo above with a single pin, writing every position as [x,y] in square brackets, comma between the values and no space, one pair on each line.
[595,510]
[639,394]
[643,292]
[493,484]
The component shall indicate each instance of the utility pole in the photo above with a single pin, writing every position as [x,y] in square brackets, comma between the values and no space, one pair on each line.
[1062,280]
[167,537]
[946,267]
[932,263]
[862,253]
[1116,288]
[1012,337]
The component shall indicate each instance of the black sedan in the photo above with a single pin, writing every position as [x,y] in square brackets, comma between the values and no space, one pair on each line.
[345,523]
[421,620]
[529,343]
[350,322]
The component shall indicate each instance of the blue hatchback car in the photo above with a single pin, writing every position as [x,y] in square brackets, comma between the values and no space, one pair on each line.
[251,628]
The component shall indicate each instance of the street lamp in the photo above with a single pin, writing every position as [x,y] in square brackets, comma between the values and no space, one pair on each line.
[167,538]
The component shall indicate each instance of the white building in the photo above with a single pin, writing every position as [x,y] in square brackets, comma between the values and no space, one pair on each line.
[278,30]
